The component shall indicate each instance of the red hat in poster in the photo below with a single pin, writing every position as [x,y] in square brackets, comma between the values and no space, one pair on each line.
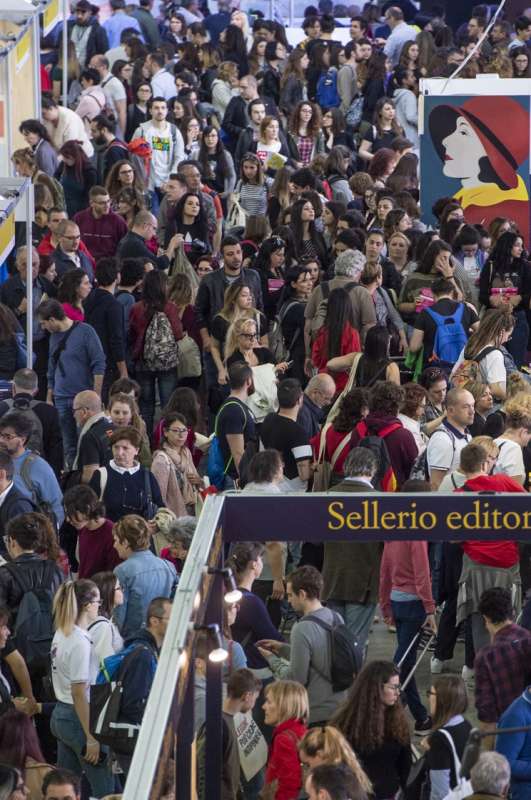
[501,125]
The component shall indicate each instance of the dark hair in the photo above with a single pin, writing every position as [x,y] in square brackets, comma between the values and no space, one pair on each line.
[61,777]
[25,530]
[242,681]
[442,286]
[106,271]
[239,374]
[433,250]
[51,309]
[35,126]
[106,583]
[18,740]
[70,283]
[338,781]
[308,579]
[414,485]
[264,465]
[20,423]
[74,150]
[131,271]
[296,225]
[234,43]
[9,778]
[450,698]
[125,385]
[204,157]
[496,605]
[126,433]
[468,234]
[243,554]
[432,375]
[339,314]
[350,409]
[201,218]
[8,324]
[501,256]
[304,177]
[184,401]
[155,292]
[385,398]
[6,464]
[413,396]
[289,392]
[83,500]
[375,354]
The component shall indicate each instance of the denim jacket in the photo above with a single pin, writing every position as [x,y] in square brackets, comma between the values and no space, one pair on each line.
[143,576]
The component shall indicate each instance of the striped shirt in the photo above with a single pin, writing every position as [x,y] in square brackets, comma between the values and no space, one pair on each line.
[253,198]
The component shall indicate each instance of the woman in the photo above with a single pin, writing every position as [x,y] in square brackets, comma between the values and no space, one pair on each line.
[37,138]
[375,364]
[240,346]
[435,381]
[175,32]
[382,166]
[337,336]
[86,513]
[154,310]
[238,304]
[286,707]
[273,151]
[74,669]
[251,191]
[384,129]
[375,724]
[309,242]
[12,344]
[520,60]
[305,130]
[327,745]
[209,58]
[20,748]
[190,128]
[409,56]
[335,130]
[184,401]
[386,313]
[336,172]
[128,204]
[73,70]
[416,293]
[483,403]
[224,86]
[76,175]
[137,111]
[174,469]
[513,440]
[293,89]
[274,54]
[292,303]
[396,221]
[412,412]
[448,702]
[269,262]
[182,293]
[73,290]
[505,283]
[384,204]
[354,406]
[123,411]
[280,197]
[234,49]
[50,190]
[123,70]
[217,164]
[126,487]
[399,252]
[332,211]
[482,357]
[104,633]
[189,219]
[123,175]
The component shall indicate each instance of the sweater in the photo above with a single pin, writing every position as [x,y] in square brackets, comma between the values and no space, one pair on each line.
[125,493]
[516,747]
[81,359]
[96,550]
[405,566]
[283,764]
[102,236]
[252,624]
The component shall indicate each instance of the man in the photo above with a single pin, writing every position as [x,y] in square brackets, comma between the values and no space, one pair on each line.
[110,148]
[64,125]
[311,25]
[363,50]
[347,269]
[309,652]
[12,501]
[391,278]
[211,292]
[142,575]
[281,431]
[45,423]
[358,28]
[133,245]
[235,424]
[522,27]
[332,782]
[50,240]
[105,314]
[490,777]
[446,443]
[76,363]
[162,83]
[100,227]
[400,34]
[190,11]
[118,22]
[147,22]
[236,118]
[86,34]
[173,191]
[61,784]
[145,644]
[251,132]
[167,148]
[243,689]
[502,667]
[130,282]
[351,570]
[346,78]
[318,395]
[68,255]
[32,475]
[13,293]
[95,429]
[113,89]
[500,34]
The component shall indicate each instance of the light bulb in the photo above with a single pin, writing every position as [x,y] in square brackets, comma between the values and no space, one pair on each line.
[234,596]
[218,655]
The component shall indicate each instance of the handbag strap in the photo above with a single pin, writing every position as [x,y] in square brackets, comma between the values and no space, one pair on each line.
[457,763]
[339,449]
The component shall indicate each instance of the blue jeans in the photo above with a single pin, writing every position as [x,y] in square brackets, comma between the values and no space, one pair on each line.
[357,616]
[517,346]
[167,383]
[71,741]
[409,617]
[68,427]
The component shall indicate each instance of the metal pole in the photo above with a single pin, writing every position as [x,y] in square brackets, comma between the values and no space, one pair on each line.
[65,53]
[185,737]
[214,700]
[9,115]
[35,34]
[291,10]
[29,273]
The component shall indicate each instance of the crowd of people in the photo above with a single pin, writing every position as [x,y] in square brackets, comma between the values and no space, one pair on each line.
[233,289]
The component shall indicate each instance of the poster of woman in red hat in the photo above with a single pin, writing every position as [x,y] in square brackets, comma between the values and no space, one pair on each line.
[476,149]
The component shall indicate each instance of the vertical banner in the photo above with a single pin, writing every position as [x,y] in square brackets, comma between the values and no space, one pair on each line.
[50,17]
[476,150]
[22,51]
[7,240]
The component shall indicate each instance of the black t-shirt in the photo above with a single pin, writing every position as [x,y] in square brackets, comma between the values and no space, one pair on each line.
[289,438]
[234,417]
[220,327]
[263,354]
[439,757]
[445,307]
[94,447]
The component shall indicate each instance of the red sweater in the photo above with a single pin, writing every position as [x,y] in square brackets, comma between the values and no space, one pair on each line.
[138,322]
[103,235]
[350,343]
[405,566]
[96,550]
[502,554]
[283,763]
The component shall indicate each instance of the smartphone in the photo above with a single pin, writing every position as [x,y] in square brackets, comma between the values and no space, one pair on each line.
[101,759]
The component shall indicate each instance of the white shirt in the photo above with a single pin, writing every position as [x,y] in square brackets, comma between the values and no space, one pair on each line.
[444,449]
[167,150]
[4,494]
[413,426]
[123,470]
[74,660]
[510,460]
[105,637]
[491,367]
[163,85]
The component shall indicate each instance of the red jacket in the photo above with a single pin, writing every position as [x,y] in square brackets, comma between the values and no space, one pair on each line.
[350,343]
[138,322]
[283,764]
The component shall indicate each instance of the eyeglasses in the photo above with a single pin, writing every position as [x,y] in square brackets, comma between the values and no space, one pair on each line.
[178,430]
[395,687]
[79,408]
[249,335]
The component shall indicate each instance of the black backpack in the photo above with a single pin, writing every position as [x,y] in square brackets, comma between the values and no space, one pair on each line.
[347,655]
[34,625]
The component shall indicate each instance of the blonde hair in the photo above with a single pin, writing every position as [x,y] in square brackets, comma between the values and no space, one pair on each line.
[68,603]
[290,699]
[517,385]
[133,531]
[331,746]
[488,444]
[227,70]
[235,329]
[522,399]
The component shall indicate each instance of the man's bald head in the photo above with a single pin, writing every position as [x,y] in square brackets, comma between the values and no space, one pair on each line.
[321,389]
[88,400]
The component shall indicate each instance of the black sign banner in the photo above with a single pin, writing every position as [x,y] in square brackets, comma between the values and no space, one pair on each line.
[434,516]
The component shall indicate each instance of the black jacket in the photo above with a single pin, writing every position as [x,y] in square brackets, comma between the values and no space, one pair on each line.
[15,503]
[247,144]
[51,429]
[13,291]
[211,293]
[97,44]
[236,118]
[271,84]
[138,679]
[34,568]
[63,263]
[106,315]
[134,246]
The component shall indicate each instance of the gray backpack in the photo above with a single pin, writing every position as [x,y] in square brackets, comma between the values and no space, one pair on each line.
[160,348]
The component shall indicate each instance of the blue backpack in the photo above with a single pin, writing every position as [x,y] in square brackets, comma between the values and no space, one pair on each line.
[216,467]
[327,95]
[450,337]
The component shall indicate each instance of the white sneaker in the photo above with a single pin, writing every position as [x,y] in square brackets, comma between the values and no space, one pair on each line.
[436,666]
[467,674]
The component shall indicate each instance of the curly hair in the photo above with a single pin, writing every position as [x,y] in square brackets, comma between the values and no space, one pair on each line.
[365,721]
[351,410]
[315,123]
